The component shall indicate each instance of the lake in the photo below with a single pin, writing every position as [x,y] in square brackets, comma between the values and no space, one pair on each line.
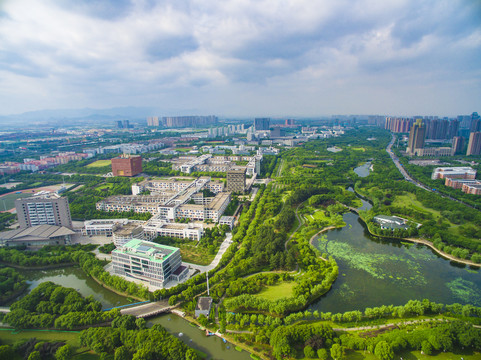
[375,272]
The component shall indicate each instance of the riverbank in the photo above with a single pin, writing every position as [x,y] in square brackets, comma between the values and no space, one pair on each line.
[228,336]
[43,267]
[115,290]
[442,253]
[311,241]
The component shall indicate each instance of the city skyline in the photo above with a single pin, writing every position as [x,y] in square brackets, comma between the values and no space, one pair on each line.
[242,58]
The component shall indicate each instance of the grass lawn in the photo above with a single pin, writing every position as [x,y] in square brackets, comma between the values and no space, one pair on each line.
[285,195]
[104,186]
[409,200]
[320,215]
[458,354]
[283,290]
[196,256]
[358,149]
[10,337]
[100,163]
[10,200]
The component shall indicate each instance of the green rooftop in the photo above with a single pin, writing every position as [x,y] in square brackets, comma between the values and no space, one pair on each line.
[147,250]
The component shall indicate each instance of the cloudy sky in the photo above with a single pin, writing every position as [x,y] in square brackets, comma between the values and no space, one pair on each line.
[243,57]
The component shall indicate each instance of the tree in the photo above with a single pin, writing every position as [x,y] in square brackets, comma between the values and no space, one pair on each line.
[203,320]
[121,353]
[309,352]
[384,351]
[64,353]
[6,352]
[426,347]
[140,323]
[338,352]
[322,354]
[34,355]
[127,322]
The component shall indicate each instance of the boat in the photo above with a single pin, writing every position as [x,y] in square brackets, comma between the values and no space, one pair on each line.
[181,334]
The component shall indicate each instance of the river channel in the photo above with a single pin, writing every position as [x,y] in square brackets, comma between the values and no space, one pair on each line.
[74,277]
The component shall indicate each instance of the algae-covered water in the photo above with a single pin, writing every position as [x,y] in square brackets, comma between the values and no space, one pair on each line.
[374,272]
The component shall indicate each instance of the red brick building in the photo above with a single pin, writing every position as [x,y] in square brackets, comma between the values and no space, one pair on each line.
[127,165]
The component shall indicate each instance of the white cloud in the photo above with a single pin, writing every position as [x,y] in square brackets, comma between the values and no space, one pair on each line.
[76,54]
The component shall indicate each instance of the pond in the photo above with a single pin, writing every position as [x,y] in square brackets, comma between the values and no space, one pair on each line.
[375,272]
[74,277]
[363,170]
[213,346]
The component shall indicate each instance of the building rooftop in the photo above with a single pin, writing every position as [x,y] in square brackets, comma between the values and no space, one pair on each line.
[204,303]
[219,199]
[127,229]
[39,231]
[106,221]
[42,195]
[147,249]
[394,222]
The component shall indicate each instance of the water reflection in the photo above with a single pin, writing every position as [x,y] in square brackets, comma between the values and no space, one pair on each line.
[74,277]
[375,271]
[213,346]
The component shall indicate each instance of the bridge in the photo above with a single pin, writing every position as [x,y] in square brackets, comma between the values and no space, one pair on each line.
[148,310]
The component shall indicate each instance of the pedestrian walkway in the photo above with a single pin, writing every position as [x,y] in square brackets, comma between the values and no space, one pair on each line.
[223,248]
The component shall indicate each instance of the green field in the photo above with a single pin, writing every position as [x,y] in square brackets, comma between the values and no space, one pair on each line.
[318,215]
[9,200]
[409,200]
[100,163]
[275,292]
[10,337]
[104,186]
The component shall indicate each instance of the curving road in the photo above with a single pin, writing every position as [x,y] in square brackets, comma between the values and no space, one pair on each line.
[401,168]
[407,177]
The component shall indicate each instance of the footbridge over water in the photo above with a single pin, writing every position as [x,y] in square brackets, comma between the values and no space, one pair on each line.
[148,310]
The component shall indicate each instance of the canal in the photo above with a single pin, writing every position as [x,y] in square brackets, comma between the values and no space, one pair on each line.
[195,338]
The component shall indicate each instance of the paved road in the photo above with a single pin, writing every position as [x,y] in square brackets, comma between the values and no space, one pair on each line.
[407,177]
[378,327]
[400,167]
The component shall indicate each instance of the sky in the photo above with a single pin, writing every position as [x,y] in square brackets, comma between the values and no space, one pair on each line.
[242,57]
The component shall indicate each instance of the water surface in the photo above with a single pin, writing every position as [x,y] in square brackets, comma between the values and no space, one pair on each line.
[213,346]
[374,272]
[74,277]
[363,170]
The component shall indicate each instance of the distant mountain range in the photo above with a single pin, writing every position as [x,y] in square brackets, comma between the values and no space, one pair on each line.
[71,115]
